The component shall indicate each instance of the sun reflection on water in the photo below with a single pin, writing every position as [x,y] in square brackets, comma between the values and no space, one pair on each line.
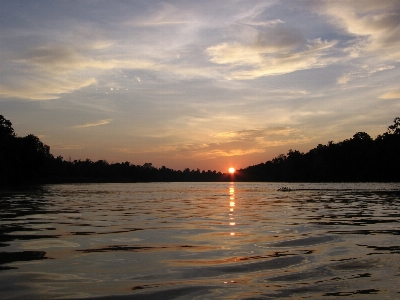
[231,206]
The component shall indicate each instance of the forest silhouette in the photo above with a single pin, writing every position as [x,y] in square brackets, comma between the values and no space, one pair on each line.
[26,160]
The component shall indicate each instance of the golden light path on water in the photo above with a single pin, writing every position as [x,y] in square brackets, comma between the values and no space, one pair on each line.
[231,205]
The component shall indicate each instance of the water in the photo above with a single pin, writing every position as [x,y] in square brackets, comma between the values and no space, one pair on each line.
[201,241]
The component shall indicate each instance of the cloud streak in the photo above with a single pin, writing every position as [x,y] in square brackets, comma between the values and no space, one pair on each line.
[228,144]
[395,94]
[98,123]
[378,22]
[277,52]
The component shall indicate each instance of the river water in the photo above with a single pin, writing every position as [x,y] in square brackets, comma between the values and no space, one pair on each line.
[201,241]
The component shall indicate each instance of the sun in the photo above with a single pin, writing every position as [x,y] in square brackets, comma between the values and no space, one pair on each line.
[231,170]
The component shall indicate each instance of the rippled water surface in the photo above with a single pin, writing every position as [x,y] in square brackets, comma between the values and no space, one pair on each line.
[201,241]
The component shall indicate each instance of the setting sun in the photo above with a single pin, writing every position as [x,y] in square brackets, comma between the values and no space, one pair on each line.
[231,170]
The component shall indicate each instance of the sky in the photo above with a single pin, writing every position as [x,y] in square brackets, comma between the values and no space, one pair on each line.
[198,84]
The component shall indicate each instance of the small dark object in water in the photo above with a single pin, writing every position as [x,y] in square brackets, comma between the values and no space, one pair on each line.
[284,189]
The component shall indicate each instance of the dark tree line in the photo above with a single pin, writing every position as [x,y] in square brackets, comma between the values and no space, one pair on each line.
[102,171]
[28,160]
[22,158]
[361,158]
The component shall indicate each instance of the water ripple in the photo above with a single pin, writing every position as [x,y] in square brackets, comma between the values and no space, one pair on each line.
[200,241]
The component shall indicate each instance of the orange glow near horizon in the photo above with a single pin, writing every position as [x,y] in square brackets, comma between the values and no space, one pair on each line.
[231,170]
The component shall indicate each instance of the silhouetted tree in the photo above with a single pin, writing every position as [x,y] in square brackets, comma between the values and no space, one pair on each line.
[7,137]
[395,128]
[22,159]
[6,129]
[362,136]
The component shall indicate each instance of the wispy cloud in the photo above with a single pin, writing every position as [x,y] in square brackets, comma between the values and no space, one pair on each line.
[47,72]
[271,54]
[98,123]
[395,94]
[66,147]
[43,87]
[165,14]
[245,142]
[235,143]
[378,22]
[363,72]
[261,23]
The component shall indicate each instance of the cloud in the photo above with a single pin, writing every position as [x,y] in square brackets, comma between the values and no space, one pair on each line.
[278,39]
[378,22]
[54,59]
[47,72]
[254,133]
[261,23]
[59,60]
[343,79]
[363,72]
[43,87]
[234,143]
[395,94]
[276,51]
[67,147]
[275,40]
[98,123]
[166,14]
[245,142]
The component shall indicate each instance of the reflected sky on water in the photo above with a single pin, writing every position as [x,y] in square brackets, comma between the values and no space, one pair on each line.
[201,241]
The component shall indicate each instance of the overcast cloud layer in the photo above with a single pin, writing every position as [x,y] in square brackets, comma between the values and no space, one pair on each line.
[198,84]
